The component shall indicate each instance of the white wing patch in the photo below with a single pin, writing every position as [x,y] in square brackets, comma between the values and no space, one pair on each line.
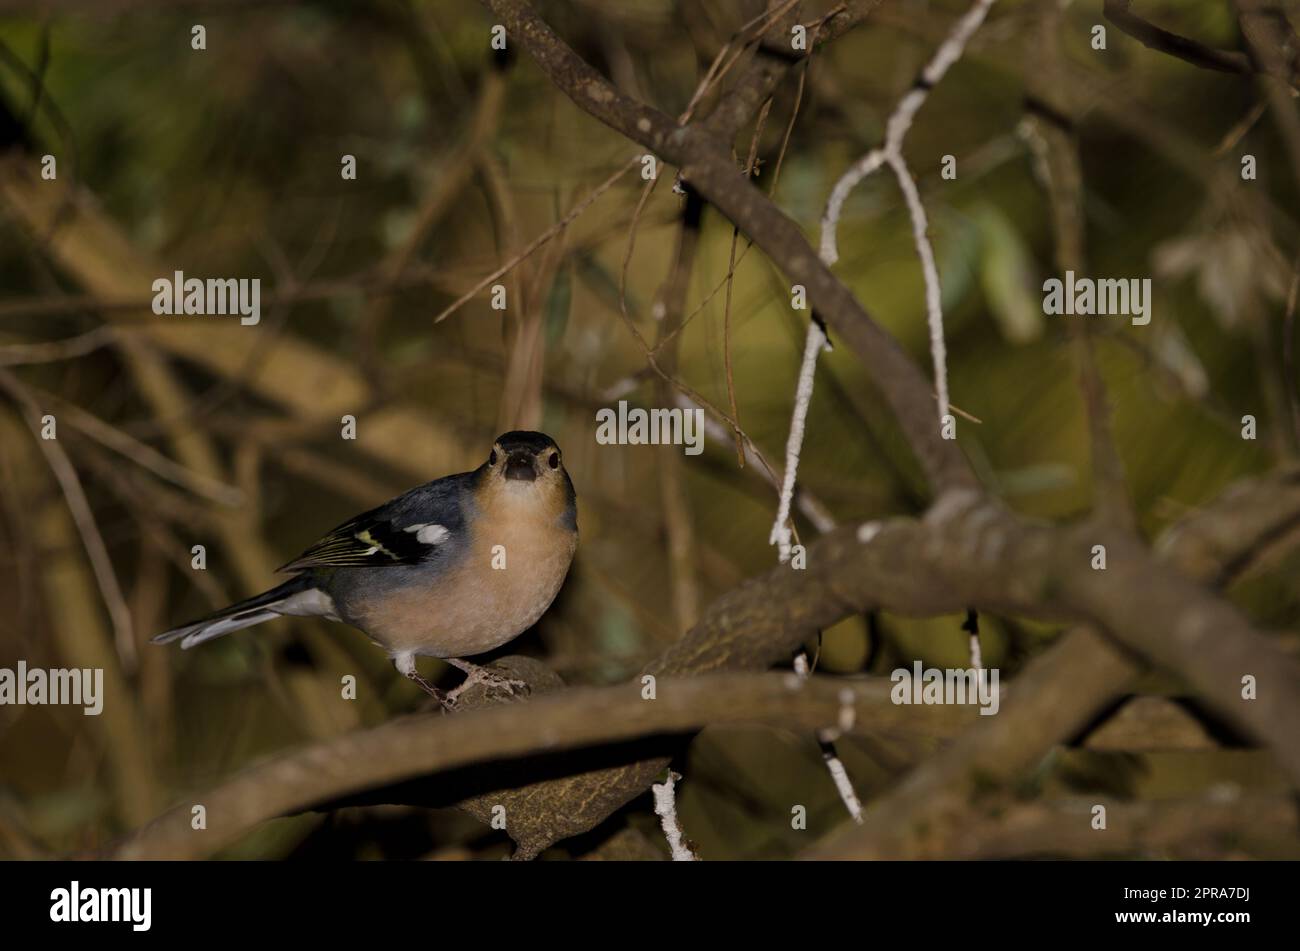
[429,533]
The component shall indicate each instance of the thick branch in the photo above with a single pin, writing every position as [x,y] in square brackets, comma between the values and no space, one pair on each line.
[427,743]
[1063,690]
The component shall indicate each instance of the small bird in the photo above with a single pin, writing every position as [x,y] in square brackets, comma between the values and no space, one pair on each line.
[450,569]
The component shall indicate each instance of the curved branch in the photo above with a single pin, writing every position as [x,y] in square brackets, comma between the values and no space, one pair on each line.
[428,743]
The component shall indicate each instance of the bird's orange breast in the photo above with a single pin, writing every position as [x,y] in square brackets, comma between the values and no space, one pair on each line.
[510,573]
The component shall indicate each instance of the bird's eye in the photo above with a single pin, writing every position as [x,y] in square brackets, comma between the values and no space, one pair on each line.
[554,460]
[492,459]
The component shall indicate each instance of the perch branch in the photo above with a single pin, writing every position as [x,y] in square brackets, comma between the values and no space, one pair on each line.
[428,743]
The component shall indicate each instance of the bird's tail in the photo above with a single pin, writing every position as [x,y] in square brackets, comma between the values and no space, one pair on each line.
[255,610]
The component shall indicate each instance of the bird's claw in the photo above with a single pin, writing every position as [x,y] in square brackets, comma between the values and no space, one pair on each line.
[491,680]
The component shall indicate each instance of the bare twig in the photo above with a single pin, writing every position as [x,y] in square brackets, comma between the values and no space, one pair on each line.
[1063,184]
[66,474]
[678,525]
[146,456]
[830,756]
[781,529]
[1288,350]
[1188,50]
[891,154]
[666,810]
[731,271]
[555,229]
[78,346]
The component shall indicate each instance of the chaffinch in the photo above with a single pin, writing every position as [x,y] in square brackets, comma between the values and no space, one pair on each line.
[450,569]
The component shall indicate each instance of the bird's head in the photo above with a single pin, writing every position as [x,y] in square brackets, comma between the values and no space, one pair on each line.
[528,468]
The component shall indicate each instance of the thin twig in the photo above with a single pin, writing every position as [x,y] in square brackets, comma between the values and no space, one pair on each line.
[1180,47]
[831,757]
[50,351]
[1063,184]
[891,153]
[84,517]
[1288,350]
[146,456]
[666,810]
[731,270]
[540,240]
[781,527]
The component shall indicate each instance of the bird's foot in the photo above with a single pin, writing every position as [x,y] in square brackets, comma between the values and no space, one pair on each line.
[490,679]
[405,664]
[445,700]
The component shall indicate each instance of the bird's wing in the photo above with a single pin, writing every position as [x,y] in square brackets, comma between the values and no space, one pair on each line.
[405,531]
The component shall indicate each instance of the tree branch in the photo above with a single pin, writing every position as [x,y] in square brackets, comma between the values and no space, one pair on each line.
[428,743]
[772,60]
[705,162]
[1188,50]
[1195,827]
[1060,692]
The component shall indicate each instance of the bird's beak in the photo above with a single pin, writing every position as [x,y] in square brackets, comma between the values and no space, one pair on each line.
[519,465]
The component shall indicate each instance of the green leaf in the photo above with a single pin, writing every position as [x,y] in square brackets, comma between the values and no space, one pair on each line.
[1007,276]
